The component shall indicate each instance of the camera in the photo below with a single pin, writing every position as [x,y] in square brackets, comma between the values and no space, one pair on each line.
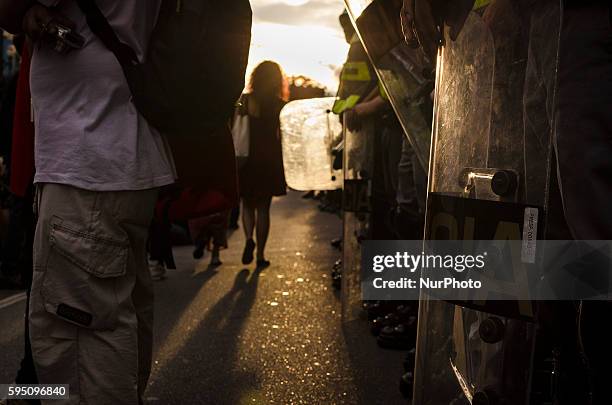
[64,39]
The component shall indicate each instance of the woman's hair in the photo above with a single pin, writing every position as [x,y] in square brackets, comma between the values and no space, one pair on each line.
[268,81]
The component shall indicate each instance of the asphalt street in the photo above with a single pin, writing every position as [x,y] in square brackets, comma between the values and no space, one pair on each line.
[234,335]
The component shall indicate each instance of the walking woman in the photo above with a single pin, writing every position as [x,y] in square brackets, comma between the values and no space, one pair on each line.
[262,175]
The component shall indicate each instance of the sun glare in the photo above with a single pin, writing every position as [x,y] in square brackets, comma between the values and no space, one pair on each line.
[357,6]
[295,2]
[314,51]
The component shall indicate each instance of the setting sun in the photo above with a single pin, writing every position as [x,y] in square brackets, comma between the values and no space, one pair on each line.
[302,41]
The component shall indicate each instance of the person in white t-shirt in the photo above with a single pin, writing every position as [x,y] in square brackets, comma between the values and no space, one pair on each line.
[98,168]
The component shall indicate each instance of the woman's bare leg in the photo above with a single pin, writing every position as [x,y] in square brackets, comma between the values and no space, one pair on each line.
[248,217]
[263,225]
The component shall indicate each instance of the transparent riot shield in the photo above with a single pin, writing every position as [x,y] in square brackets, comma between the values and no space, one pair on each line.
[356,207]
[310,133]
[408,81]
[489,179]
[406,75]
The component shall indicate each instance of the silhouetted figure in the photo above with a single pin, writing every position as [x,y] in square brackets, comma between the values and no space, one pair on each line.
[262,175]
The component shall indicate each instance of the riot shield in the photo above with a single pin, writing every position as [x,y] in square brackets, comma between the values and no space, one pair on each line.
[309,134]
[407,77]
[407,82]
[356,207]
[489,179]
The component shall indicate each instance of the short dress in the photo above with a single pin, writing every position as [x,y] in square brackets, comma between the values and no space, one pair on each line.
[263,174]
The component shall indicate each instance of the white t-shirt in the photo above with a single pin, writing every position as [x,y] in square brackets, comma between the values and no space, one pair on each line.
[88,133]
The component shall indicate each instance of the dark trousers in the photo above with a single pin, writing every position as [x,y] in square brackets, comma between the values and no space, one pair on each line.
[17,257]
[584,120]
[17,248]
[234,216]
[583,145]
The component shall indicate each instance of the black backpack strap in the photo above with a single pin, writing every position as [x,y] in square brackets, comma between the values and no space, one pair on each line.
[100,26]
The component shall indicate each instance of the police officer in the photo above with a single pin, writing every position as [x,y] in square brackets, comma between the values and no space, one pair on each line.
[358,78]
[582,137]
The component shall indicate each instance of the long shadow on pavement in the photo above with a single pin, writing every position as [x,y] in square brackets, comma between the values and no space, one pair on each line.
[205,368]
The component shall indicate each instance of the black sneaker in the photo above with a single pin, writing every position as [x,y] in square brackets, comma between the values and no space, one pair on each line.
[198,252]
[247,255]
[262,264]
[337,243]
[406,384]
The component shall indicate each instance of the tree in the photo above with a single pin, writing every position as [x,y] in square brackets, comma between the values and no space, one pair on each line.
[302,87]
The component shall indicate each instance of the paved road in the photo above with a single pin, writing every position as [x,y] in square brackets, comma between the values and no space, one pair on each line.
[238,336]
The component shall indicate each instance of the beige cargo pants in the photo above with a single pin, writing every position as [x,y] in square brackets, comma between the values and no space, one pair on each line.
[91,307]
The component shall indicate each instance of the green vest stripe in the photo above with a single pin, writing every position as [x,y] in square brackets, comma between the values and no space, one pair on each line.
[342,105]
[356,72]
[480,3]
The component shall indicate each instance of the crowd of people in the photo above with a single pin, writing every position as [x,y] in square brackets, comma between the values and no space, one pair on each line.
[17,169]
[260,178]
[105,194]
[380,157]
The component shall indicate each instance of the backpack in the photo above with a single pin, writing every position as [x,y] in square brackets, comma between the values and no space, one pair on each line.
[194,70]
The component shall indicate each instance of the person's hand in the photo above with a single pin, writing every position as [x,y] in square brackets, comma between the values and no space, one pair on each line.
[423,20]
[374,105]
[364,109]
[352,120]
[407,19]
[40,22]
[355,116]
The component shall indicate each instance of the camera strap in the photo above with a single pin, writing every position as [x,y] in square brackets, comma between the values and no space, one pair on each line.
[100,26]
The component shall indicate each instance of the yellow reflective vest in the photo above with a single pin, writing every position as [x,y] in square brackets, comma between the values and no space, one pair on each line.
[357,78]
